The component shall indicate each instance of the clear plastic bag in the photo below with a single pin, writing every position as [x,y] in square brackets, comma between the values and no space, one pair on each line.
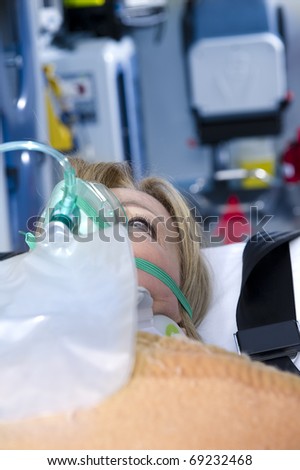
[68,319]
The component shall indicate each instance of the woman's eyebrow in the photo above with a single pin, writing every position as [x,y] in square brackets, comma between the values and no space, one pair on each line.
[137,204]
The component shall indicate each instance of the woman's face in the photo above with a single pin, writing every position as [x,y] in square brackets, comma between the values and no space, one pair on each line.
[154,240]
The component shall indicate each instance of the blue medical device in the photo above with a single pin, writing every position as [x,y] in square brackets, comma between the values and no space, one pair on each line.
[19,118]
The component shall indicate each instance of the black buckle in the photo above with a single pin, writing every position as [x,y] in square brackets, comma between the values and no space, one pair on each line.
[270,341]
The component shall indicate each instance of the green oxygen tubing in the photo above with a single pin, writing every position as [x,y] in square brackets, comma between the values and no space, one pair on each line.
[67,204]
[73,202]
[164,277]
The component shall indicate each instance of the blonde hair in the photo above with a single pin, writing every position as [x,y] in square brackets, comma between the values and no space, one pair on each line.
[194,283]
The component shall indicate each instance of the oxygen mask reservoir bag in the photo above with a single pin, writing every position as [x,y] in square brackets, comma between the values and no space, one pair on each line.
[68,306]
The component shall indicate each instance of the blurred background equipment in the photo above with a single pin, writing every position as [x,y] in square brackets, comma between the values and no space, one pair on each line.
[69,77]
[237,68]
[98,85]
[94,16]
[237,73]
[290,161]
[141,13]
[22,116]
[197,91]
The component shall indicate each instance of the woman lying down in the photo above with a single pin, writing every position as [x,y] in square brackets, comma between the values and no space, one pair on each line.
[182,394]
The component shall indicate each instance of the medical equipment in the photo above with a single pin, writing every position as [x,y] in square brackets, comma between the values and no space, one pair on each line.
[50,20]
[156,324]
[68,323]
[67,201]
[73,199]
[27,181]
[5,238]
[141,13]
[108,17]
[99,83]
[160,274]
[84,208]
[85,340]
[95,17]
[238,91]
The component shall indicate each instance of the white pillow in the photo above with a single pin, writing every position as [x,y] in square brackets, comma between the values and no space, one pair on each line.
[225,264]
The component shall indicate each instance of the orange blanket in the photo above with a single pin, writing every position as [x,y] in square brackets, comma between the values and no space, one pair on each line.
[182,395]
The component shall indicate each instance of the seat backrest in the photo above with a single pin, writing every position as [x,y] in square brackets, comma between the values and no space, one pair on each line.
[236,60]
[237,75]
[219,18]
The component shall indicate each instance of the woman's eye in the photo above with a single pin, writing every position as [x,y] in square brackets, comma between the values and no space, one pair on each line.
[140,224]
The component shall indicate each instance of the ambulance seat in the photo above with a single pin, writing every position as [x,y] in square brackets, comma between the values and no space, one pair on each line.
[236,59]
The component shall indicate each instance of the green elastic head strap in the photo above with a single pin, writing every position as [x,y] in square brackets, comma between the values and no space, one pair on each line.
[160,274]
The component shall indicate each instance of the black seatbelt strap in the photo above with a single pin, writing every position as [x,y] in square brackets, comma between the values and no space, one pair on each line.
[4,256]
[266,313]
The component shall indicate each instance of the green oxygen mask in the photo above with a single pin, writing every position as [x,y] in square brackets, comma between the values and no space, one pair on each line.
[95,208]
[83,207]
[69,306]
